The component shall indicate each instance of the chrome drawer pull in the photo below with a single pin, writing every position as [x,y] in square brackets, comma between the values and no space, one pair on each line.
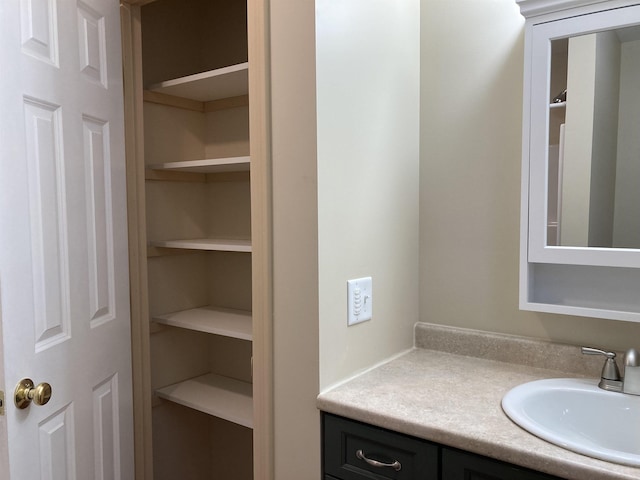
[374,463]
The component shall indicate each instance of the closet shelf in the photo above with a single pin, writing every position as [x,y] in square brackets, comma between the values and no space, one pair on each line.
[219,321]
[211,244]
[227,82]
[219,396]
[210,165]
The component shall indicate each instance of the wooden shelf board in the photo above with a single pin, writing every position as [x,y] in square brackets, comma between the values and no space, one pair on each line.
[218,321]
[211,244]
[209,165]
[232,81]
[219,396]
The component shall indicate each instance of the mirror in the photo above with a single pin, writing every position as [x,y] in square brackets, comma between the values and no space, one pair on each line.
[593,169]
[581,149]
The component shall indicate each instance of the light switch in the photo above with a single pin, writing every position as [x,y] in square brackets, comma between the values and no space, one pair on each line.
[359,300]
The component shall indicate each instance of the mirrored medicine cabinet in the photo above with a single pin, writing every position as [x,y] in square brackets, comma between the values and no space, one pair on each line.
[580,216]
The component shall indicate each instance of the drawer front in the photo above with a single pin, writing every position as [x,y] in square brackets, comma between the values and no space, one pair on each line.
[349,444]
[458,465]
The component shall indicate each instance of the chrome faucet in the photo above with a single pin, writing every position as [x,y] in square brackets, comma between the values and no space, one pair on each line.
[631,382]
[610,378]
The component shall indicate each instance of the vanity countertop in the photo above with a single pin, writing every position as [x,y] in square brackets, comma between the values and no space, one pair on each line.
[454,400]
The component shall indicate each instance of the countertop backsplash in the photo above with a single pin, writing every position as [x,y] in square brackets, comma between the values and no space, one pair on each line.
[511,349]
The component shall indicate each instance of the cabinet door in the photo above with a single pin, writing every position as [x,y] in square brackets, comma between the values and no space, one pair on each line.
[357,451]
[457,465]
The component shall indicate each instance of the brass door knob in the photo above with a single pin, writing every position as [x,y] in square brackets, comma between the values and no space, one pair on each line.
[26,393]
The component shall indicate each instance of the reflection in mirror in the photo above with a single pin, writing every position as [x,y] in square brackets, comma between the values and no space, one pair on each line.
[594,140]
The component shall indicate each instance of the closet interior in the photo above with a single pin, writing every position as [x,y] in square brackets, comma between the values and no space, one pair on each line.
[198,218]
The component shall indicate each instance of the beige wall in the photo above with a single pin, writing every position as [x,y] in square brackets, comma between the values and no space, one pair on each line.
[366,156]
[368,163]
[471,107]
[295,258]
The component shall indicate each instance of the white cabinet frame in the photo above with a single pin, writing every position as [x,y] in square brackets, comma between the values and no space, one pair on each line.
[591,282]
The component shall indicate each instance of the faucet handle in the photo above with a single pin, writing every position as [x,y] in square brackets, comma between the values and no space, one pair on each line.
[610,369]
[597,351]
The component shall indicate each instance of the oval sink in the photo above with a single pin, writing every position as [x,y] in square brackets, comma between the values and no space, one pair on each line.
[577,415]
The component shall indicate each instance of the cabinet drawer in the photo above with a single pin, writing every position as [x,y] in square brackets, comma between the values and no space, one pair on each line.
[458,465]
[347,441]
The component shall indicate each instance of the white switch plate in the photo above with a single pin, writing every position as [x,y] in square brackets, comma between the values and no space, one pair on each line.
[359,300]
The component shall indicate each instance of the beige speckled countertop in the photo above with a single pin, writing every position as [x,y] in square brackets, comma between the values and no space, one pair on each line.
[454,399]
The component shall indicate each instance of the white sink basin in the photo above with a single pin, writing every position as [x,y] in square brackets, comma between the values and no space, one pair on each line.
[579,416]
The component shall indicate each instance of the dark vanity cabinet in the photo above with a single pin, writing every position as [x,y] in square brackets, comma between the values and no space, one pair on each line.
[357,451]
[460,465]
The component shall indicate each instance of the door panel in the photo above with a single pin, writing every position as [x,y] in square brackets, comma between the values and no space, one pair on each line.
[64,293]
[57,445]
[50,285]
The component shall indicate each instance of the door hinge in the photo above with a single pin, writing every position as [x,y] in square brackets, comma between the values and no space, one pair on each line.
[1,403]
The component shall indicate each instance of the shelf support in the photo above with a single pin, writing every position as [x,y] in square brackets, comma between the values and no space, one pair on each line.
[173,101]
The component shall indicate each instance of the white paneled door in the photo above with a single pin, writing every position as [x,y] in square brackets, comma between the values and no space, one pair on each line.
[64,294]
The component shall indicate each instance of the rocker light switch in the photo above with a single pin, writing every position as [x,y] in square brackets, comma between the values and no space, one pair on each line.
[359,300]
